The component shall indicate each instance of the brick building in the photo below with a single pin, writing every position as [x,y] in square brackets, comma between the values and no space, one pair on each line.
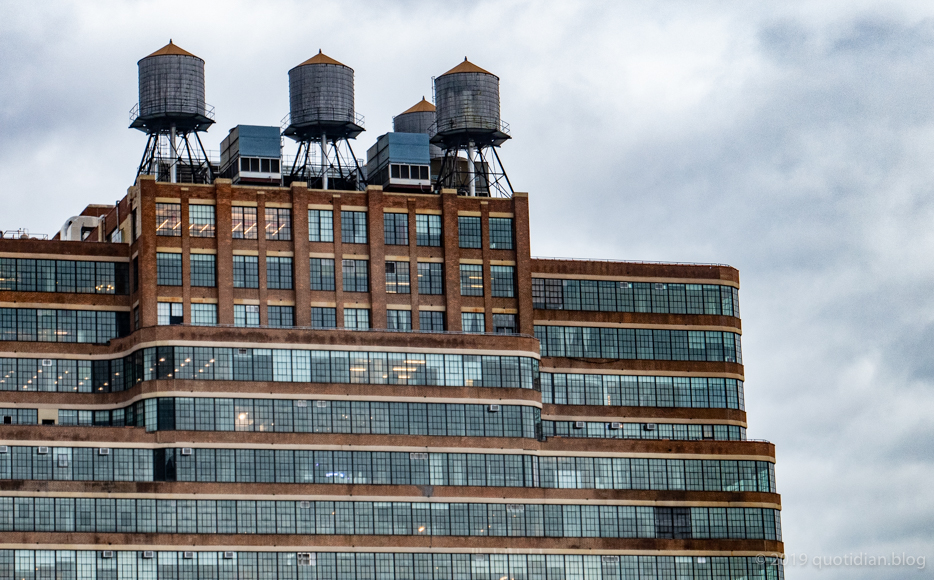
[257,381]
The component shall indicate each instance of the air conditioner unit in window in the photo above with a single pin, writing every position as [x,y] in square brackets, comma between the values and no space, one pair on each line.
[229,555]
[321,404]
[625,285]
[701,560]
[514,508]
[46,362]
[579,424]
[103,451]
[610,559]
[4,448]
[107,554]
[420,456]
[242,351]
[304,504]
[301,403]
[616,425]
[189,555]
[493,408]
[149,554]
[660,286]
[306,558]
[186,451]
[648,427]
[43,451]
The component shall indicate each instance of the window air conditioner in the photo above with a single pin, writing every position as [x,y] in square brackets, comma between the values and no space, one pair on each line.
[493,408]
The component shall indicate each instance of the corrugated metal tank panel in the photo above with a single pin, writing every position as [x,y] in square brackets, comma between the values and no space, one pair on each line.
[467,101]
[171,84]
[418,122]
[321,93]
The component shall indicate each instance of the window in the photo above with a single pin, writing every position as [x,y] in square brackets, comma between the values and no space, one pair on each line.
[281,316]
[168,219]
[201,221]
[246,314]
[504,323]
[430,320]
[356,318]
[503,281]
[468,232]
[278,223]
[244,223]
[355,276]
[320,225]
[428,230]
[168,313]
[204,314]
[203,270]
[501,234]
[397,278]
[323,317]
[246,271]
[396,229]
[322,273]
[399,319]
[353,227]
[471,280]
[472,322]
[168,269]
[430,278]
[278,273]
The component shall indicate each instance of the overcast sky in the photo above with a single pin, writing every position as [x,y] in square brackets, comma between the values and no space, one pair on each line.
[792,140]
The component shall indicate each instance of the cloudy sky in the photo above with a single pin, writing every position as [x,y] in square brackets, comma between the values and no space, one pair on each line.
[792,140]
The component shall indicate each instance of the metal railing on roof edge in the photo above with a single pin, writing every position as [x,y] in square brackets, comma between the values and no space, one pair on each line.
[629,261]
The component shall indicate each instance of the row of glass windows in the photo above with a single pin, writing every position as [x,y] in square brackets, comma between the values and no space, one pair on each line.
[382,468]
[611,296]
[672,431]
[19,416]
[70,276]
[169,516]
[41,325]
[149,565]
[639,343]
[642,391]
[202,223]
[317,416]
[280,365]
[355,275]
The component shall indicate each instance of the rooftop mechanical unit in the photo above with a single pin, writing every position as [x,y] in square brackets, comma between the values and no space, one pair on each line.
[400,162]
[252,154]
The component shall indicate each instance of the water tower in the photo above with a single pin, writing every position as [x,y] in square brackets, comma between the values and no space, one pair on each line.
[418,118]
[323,121]
[468,130]
[172,111]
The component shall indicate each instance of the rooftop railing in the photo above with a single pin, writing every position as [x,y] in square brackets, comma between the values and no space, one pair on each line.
[630,261]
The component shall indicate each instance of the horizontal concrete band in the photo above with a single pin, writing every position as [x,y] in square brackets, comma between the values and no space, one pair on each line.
[582,323]
[393,498]
[406,449]
[662,279]
[346,543]
[404,549]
